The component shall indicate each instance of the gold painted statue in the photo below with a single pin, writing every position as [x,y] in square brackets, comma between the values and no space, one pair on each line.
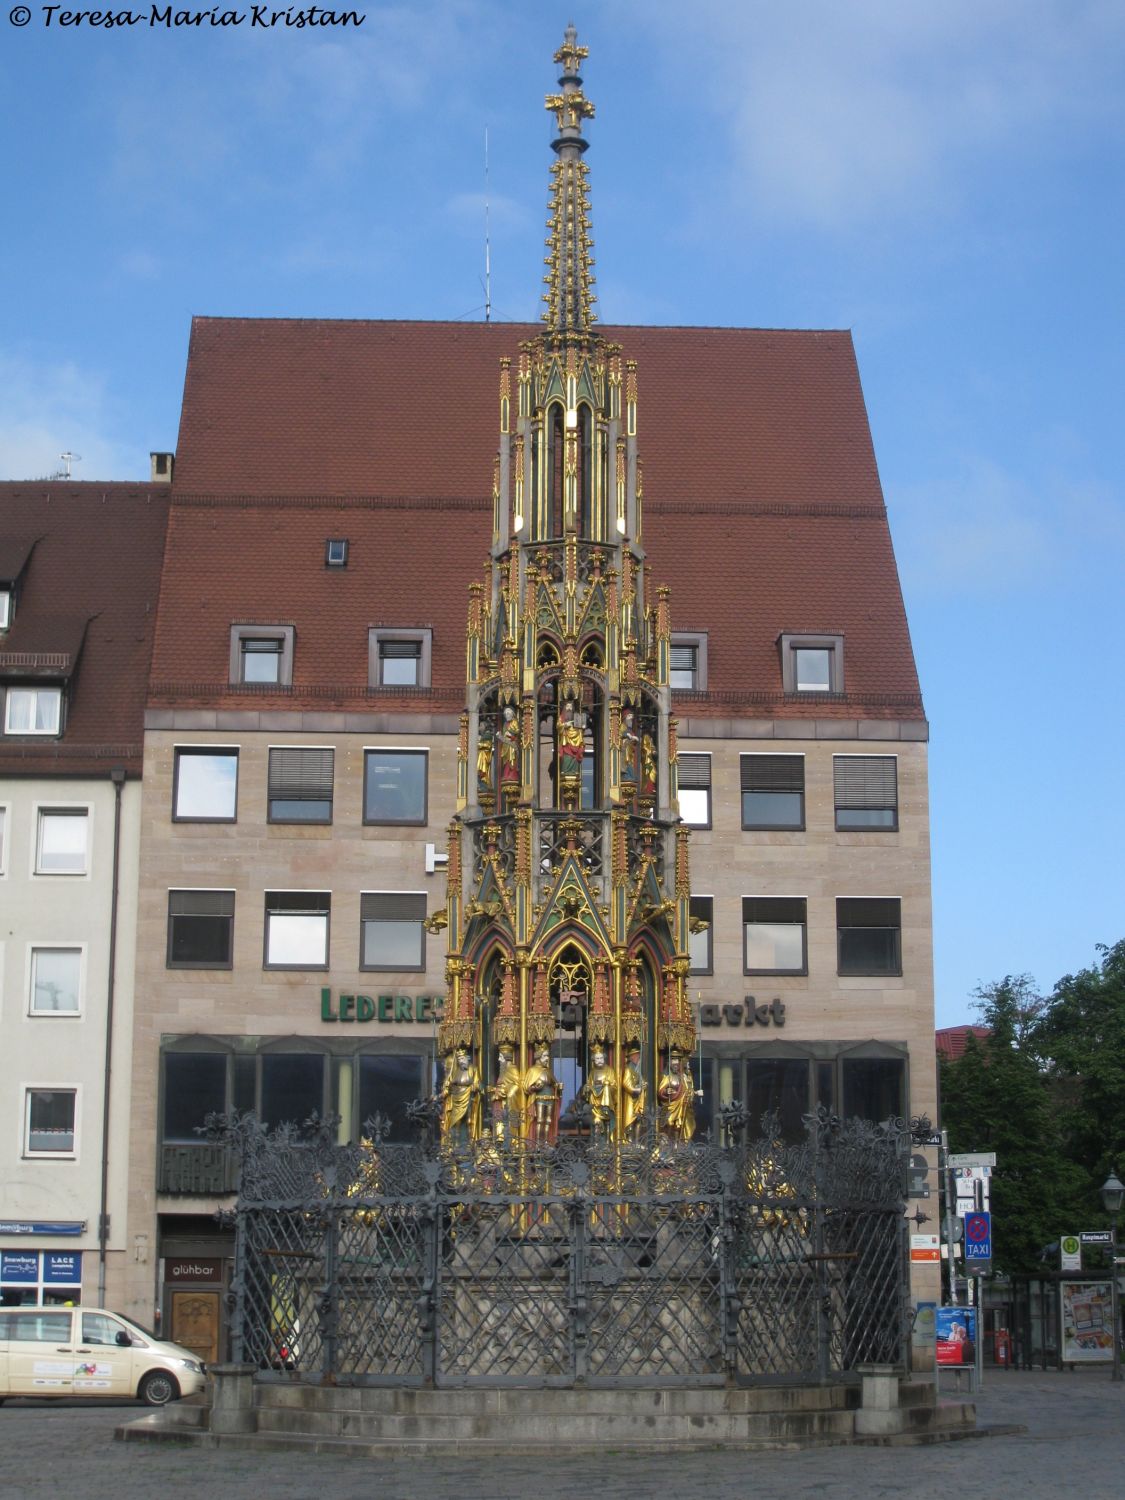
[542,1091]
[676,1097]
[600,1093]
[505,1098]
[634,1095]
[460,1100]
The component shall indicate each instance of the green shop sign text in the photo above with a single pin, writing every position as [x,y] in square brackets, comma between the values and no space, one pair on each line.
[391,1008]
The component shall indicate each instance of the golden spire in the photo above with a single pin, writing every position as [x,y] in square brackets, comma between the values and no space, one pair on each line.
[570,278]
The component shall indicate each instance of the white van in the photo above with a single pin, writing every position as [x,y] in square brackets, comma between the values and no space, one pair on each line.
[83,1351]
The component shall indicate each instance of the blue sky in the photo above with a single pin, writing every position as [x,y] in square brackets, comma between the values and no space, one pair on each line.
[945,180]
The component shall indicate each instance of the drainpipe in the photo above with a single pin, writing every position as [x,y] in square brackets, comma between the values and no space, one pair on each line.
[117,776]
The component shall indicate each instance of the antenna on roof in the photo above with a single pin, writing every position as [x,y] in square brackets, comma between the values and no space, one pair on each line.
[487,239]
[66,459]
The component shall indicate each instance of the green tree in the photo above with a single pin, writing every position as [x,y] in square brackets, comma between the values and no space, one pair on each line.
[998,1097]
[1081,1037]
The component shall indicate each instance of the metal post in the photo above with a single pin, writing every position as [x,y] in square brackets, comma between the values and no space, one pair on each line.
[1114,1302]
[947,1217]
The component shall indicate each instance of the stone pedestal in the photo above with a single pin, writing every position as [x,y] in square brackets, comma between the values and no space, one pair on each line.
[232,1400]
[879,1412]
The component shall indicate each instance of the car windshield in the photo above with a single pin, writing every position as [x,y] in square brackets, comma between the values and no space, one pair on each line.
[137,1328]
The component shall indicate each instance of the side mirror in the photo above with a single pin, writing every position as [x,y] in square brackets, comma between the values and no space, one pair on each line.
[123,1339]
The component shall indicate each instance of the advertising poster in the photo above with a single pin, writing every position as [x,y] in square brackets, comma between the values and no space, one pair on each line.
[956,1335]
[1085,1308]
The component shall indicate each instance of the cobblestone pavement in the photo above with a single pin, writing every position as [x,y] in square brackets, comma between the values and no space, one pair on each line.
[1075,1442]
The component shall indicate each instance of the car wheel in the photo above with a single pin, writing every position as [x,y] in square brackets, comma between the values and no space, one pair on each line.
[158,1388]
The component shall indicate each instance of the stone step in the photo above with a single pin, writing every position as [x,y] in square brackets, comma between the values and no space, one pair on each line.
[549,1429]
[516,1403]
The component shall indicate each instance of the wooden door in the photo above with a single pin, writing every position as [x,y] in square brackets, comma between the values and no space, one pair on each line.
[195,1323]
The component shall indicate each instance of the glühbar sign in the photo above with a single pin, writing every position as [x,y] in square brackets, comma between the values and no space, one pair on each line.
[395,1009]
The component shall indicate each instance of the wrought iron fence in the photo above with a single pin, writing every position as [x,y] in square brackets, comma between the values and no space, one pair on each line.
[648,1263]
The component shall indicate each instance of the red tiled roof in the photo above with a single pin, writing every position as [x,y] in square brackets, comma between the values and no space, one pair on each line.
[85,613]
[951,1041]
[763,508]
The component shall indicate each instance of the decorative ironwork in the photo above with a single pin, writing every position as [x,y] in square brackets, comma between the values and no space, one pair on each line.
[584,838]
[652,1262]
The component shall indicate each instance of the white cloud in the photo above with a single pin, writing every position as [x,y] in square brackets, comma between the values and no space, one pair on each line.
[984,529]
[838,115]
[46,409]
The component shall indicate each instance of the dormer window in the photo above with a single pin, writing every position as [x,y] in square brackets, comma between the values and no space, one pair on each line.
[5,608]
[261,655]
[812,663]
[687,664]
[33,710]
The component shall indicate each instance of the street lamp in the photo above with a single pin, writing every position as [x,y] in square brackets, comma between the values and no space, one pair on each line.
[1113,1192]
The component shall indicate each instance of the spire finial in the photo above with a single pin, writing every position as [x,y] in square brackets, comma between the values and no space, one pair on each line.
[569,295]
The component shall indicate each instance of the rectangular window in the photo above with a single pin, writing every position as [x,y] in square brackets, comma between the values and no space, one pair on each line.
[31,710]
[874,1088]
[773,791]
[261,654]
[399,658]
[812,663]
[778,1086]
[687,662]
[694,777]
[49,1122]
[292,1087]
[701,909]
[261,659]
[300,784]
[3,840]
[388,1082]
[195,1086]
[56,981]
[392,933]
[336,552]
[394,786]
[5,608]
[297,929]
[775,928]
[200,929]
[869,935]
[866,791]
[60,846]
[205,786]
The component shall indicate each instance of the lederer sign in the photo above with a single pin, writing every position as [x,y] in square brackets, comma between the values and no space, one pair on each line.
[384,1008]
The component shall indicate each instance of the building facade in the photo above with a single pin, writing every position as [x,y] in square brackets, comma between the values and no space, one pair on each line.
[310,738]
[79,575]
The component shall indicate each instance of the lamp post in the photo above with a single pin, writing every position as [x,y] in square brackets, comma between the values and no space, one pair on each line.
[1113,1192]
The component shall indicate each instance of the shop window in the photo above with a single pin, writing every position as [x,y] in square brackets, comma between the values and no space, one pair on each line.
[300,784]
[388,1083]
[694,778]
[866,791]
[33,710]
[292,1087]
[869,935]
[261,654]
[50,1122]
[392,933]
[61,841]
[56,981]
[200,929]
[700,948]
[399,658]
[297,929]
[779,1087]
[773,791]
[874,1088]
[775,933]
[195,1086]
[394,786]
[205,784]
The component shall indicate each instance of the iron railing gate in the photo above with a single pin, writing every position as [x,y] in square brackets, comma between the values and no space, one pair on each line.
[651,1263]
